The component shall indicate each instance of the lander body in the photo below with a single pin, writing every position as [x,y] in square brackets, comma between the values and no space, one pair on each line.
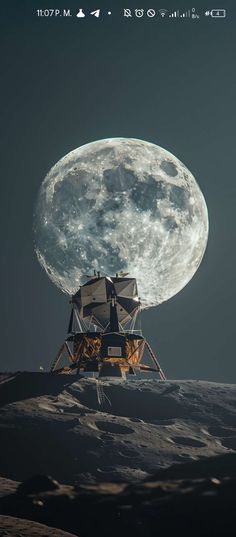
[104,333]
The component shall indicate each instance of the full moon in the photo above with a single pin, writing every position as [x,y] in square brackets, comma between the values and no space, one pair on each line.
[121,204]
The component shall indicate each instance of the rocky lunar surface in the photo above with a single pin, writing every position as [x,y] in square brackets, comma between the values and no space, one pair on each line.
[55,425]
[164,504]
[167,447]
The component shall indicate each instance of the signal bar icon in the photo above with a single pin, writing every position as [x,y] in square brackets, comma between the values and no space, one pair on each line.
[189,14]
[174,14]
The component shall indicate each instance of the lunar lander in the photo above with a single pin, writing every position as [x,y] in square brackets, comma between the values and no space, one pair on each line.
[103,337]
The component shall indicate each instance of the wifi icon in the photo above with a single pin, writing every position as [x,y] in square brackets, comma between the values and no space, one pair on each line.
[162,12]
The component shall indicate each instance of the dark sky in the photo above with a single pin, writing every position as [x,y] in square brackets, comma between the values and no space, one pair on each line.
[66,82]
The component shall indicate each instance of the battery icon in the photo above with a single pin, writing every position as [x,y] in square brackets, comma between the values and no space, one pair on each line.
[216,13]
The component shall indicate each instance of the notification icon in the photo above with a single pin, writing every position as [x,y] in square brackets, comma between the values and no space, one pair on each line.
[96,13]
[80,14]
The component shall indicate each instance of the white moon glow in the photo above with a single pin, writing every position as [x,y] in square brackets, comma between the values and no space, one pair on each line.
[121,204]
